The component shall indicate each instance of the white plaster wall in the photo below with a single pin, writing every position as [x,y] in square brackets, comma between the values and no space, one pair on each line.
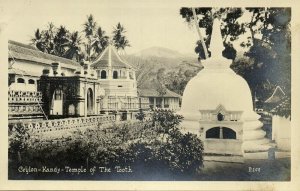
[223,146]
[281,132]
[111,87]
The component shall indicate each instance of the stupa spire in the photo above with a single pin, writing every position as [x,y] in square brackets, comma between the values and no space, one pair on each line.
[216,43]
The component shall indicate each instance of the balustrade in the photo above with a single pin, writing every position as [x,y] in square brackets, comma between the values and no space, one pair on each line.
[67,123]
[24,96]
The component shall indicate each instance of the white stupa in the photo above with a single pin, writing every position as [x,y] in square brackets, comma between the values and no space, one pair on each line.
[217,106]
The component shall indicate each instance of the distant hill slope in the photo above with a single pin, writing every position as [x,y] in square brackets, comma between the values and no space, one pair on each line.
[149,61]
[159,52]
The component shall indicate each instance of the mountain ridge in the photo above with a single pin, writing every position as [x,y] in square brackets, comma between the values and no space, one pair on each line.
[161,52]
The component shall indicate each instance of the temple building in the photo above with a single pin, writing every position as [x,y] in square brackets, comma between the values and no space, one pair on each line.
[44,86]
[217,106]
[119,82]
[25,66]
[166,99]
[70,96]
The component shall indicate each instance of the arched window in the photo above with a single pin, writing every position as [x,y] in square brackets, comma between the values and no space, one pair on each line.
[31,81]
[213,133]
[90,101]
[220,133]
[115,75]
[58,94]
[103,74]
[20,80]
[228,133]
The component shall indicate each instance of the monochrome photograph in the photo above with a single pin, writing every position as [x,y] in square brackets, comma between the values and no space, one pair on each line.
[113,91]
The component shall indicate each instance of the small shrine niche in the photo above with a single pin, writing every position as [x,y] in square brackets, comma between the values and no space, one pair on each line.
[220,114]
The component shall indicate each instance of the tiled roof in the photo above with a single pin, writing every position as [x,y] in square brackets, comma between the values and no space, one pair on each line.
[277,95]
[26,52]
[152,92]
[110,56]
[279,103]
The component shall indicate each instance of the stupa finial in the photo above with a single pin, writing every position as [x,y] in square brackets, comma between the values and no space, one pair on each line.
[216,42]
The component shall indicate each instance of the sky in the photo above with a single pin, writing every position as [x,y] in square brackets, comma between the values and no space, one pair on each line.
[148,23]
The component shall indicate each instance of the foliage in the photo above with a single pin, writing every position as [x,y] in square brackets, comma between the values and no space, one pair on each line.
[177,80]
[140,115]
[120,40]
[230,30]
[72,45]
[18,141]
[150,147]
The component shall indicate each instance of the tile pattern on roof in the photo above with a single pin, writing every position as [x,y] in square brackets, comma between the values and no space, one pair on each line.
[25,52]
[110,55]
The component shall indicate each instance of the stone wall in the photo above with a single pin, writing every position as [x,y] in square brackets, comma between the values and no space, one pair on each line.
[66,124]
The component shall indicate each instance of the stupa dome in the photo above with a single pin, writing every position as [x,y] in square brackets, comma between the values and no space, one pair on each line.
[217,84]
[217,106]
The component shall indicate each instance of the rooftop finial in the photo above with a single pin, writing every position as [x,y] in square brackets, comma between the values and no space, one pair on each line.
[216,42]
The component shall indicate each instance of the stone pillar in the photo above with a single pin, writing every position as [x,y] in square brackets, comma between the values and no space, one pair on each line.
[221,132]
[109,74]
[85,98]
[129,116]
[127,74]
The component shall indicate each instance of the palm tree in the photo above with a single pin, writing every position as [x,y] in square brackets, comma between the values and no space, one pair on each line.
[61,41]
[119,39]
[100,41]
[38,40]
[49,38]
[89,30]
[74,44]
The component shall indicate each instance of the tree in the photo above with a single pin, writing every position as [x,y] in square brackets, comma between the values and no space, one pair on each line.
[18,141]
[61,41]
[38,40]
[231,28]
[96,40]
[89,30]
[119,39]
[101,40]
[268,44]
[74,47]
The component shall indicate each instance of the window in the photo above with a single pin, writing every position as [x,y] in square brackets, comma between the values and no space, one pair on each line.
[115,75]
[228,133]
[103,74]
[20,80]
[31,81]
[220,133]
[58,94]
[213,133]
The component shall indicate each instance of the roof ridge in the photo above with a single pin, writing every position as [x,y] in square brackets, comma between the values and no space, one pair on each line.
[12,42]
[27,47]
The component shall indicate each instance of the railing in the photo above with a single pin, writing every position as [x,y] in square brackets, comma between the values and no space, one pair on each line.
[67,123]
[121,103]
[24,96]
[21,109]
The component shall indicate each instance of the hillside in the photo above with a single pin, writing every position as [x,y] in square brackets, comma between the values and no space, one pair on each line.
[159,52]
[149,61]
